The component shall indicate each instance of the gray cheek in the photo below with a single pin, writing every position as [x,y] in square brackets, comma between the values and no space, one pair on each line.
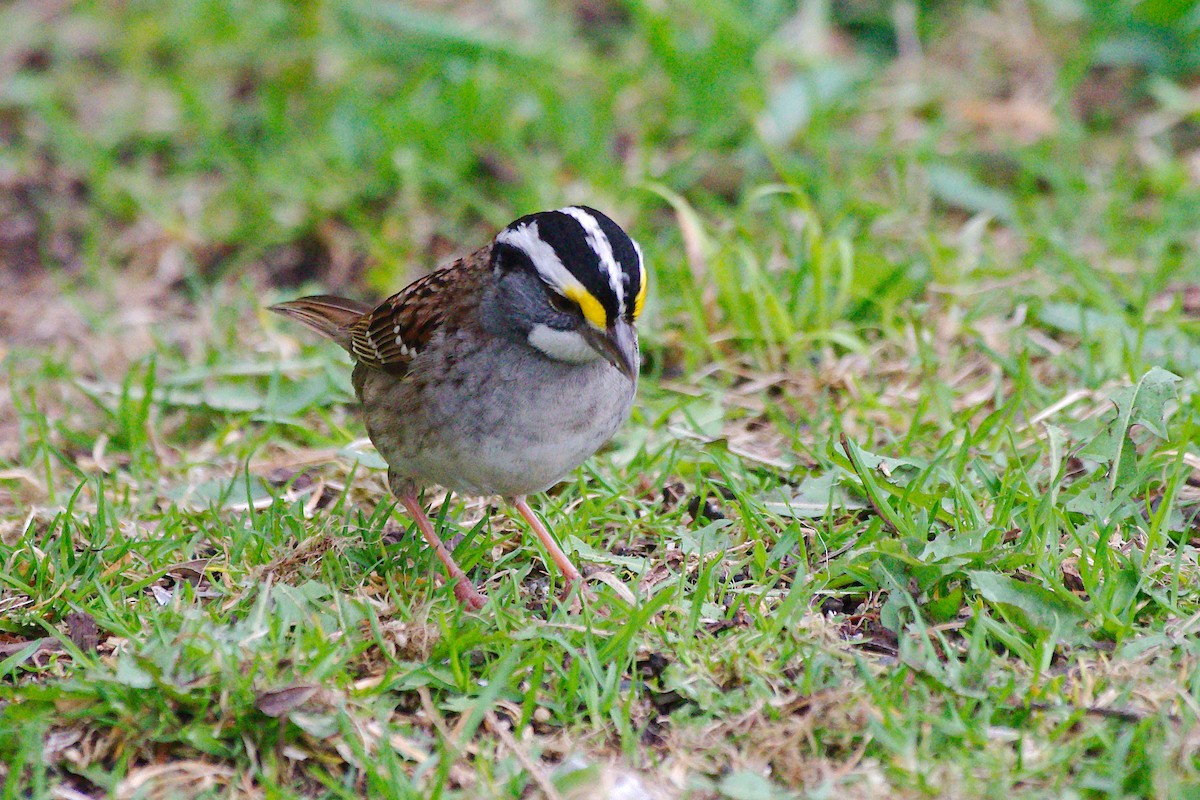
[516,304]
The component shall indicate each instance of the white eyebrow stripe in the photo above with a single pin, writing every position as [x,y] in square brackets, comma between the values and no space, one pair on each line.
[598,241]
[545,260]
[637,248]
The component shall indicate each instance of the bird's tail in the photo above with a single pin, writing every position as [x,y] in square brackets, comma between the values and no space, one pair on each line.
[326,314]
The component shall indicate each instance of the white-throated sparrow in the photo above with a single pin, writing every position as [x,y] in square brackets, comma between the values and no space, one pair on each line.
[501,373]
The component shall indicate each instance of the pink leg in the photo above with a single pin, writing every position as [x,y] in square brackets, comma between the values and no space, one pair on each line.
[464,590]
[569,573]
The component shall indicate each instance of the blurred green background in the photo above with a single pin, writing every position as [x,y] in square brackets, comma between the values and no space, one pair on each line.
[344,141]
[953,232]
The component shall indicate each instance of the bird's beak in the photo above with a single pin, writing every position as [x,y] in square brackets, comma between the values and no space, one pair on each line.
[618,345]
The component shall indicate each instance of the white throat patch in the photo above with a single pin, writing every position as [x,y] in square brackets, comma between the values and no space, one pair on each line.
[569,346]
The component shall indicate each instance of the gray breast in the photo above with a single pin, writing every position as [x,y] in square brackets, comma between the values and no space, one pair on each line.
[499,419]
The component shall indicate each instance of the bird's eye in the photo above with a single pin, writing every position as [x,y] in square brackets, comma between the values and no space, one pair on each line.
[563,305]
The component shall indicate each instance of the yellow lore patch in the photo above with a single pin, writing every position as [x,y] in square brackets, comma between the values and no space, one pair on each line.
[593,312]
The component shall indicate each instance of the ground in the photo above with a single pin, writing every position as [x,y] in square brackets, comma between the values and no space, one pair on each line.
[907,506]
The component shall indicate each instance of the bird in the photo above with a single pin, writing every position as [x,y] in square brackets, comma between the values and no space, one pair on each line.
[501,372]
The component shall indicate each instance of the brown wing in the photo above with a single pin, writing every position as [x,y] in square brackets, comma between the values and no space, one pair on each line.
[394,332]
[329,316]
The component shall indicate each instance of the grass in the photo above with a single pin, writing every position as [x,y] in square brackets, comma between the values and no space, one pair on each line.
[908,503]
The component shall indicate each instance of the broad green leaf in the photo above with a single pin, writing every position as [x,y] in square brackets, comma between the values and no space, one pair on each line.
[1146,404]
[815,497]
[959,189]
[746,785]
[1048,611]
